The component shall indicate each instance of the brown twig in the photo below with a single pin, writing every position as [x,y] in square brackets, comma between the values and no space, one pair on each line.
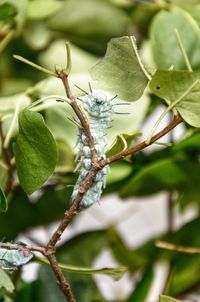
[61,281]
[16,246]
[80,115]
[9,183]
[177,120]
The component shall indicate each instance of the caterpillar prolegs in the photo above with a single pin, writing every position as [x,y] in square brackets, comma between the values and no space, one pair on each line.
[99,109]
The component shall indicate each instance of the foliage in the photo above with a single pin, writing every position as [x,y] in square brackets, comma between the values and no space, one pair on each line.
[159,70]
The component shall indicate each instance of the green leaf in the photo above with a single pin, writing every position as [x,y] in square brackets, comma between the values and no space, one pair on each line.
[157,176]
[3,201]
[123,254]
[121,143]
[183,85]
[65,157]
[38,9]
[35,151]
[165,49]
[41,212]
[6,282]
[143,286]
[77,25]
[121,71]
[118,145]
[118,171]
[7,13]
[168,299]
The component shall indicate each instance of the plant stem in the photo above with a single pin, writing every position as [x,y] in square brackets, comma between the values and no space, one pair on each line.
[62,283]
[148,76]
[7,157]
[178,248]
[183,51]
[36,66]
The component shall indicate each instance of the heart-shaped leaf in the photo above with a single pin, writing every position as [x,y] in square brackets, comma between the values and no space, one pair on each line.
[35,151]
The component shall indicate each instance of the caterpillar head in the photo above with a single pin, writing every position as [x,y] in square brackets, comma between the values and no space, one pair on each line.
[100,105]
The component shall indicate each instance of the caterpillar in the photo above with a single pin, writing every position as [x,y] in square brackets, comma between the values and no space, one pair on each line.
[99,108]
[10,260]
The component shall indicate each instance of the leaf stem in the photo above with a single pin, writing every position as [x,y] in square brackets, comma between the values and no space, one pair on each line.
[36,66]
[148,76]
[6,40]
[183,51]
[68,67]
[48,98]
[178,248]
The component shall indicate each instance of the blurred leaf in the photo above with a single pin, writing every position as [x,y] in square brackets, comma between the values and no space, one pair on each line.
[35,151]
[83,287]
[45,288]
[60,125]
[7,13]
[168,299]
[118,145]
[163,174]
[100,13]
[65,157]
[142,287]
[119,71]
[121,143]
[185,270]
[38,9]
[3,201]
[46,208]
[21,7]
[8,104]
[118,171]
[69,252]
[125,256]
[6,282]
[165,48]
[171,85]
[143,14]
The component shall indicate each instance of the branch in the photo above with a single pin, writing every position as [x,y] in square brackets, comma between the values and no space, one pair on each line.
[16,246]
[176,121]
[61,281]
[79,114]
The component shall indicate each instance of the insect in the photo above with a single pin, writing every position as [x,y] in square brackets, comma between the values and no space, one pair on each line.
[11,259]
[99,108]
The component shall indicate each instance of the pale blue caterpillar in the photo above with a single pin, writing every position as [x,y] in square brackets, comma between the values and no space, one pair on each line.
[12,259]
[99,109]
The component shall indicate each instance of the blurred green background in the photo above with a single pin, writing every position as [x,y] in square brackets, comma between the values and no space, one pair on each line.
[153,195]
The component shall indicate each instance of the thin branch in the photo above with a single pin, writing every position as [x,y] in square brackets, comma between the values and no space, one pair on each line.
[80,115]
[178,248]
[183,51]
[62,283]
[176,121]
[16,246]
